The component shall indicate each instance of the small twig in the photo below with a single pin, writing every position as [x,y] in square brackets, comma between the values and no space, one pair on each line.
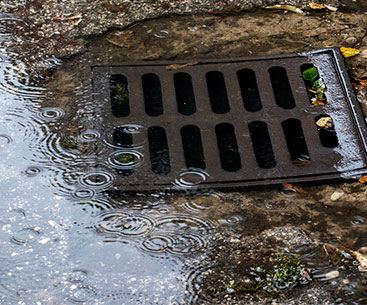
[79,16]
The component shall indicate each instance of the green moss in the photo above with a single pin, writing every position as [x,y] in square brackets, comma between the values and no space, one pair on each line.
[315,86]
[285,274]
[68,143]
[120,94]
[125,158]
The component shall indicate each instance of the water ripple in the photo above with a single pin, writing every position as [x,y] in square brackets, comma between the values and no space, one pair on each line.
[174,243]
[97,180]
[126,159]
[89,135]
[119,223]
[5,139]
[190,178]
[51,113]
[25,236]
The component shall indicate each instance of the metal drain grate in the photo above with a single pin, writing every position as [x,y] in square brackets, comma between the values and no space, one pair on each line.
[230,122]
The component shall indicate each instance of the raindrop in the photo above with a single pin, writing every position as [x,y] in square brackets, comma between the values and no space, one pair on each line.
[4,140]
[126,159]
[97,180]
[78,275]
[83,194]
[50,114]
[89,135]
[32,171]
[161,34]
[83,294]
[124,224]
[190,178]
[25,236]
[357,221]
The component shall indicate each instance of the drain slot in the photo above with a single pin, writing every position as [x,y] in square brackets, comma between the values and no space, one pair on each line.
[158,149]
[326,129]
[184,93]
[262,144]
[296,143]
[217,92]
[121,138]
[119,96]
[281,88]
[249,90]
[193,147]
[228,149]
[152,94]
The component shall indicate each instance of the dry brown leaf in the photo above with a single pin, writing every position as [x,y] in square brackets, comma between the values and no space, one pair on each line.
[319,102]
[287,8]
[362,83]
[325,122]
[180,66]
[317,6]
[363,179]
[79,16]
[294,188]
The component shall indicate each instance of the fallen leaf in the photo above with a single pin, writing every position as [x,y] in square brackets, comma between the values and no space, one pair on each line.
[317,6]
[319,102]
[362,83]
[331,8]
[294,188]
[361,256]
[180,66]
[287,8]
[336,195]
[349,52]
[325,122]
[363,179]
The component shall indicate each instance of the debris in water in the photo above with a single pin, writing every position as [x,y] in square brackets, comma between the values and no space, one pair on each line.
[325,122]
[362,84]
[294,188]
[349,52]
[286,8]
[179,66]
[286,273]
[122,39]
[315,86]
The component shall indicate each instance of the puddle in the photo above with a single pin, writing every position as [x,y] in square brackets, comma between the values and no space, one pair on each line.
[70,235]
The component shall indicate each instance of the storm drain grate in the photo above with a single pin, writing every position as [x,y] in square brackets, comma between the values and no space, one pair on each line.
[230,122]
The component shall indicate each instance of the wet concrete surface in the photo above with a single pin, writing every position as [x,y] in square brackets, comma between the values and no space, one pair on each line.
[251,224]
